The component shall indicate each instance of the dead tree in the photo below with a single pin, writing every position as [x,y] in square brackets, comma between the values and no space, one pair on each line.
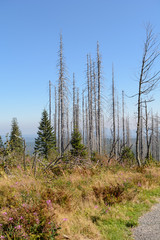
[153,137]
[91,109]
[87,132]
[95,106]
[99,98]
[141,143]
[113,112]
[157,137]
[59,117]
[67,126]
[148,136]
[123,120]
[83,123]
[50,100]
[61,99]
[118,128]
[128,142]
[77,110]
[74,115]
[147,79]
[55,114]
[104,138]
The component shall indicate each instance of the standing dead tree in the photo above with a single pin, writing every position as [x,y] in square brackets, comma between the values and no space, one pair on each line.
[50,85]
[62,99]
[99,98]
[55,114]
[123,120]
[148,135]
[128,142]
[147,79]
[157,136]
[113,112]
[74,104]
[118,128]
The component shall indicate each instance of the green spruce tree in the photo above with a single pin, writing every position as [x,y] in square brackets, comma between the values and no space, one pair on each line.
[46,141]
[1,145]
[16,141]
[78,149]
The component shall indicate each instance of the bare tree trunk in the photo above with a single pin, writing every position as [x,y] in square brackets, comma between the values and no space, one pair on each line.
[95,106]
[123,123]
[113,112]
[104,139]
[157,137]
[83,136]
[77,110]
[62,95]
[127,132]
[99,99]
[59,118]
[50,101]
[118,129]
[91,109]
[74,122]
[87,133]
[153,138]
[141,135]
[63,99]
[147,133]
[67,126]
[55,115]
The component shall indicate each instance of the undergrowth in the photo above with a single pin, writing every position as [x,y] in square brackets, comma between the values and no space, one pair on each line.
[102,202]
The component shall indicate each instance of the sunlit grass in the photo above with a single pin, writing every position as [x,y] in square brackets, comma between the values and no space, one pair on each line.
[97,203]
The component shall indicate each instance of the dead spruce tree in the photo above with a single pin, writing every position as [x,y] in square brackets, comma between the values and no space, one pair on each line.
[95,107]
[62,99]
[123,121]
[157,136]
[128,141]
[74,104]
[147,78]
[113,113]
[148,134]
[99,99]
[55,113]
[118,128]
[50,106]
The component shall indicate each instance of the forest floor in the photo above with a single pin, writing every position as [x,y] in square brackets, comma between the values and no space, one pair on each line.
[96,203]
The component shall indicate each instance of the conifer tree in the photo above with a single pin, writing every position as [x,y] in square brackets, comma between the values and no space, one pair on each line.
[16,141]
[46,141]
[78,147]
[1,143]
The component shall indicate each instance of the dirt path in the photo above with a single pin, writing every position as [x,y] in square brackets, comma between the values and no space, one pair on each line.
[149,225]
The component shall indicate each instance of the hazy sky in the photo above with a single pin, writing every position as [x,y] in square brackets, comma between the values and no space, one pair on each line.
[29,44]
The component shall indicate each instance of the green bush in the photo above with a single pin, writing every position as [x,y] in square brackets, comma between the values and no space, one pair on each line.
[127,155]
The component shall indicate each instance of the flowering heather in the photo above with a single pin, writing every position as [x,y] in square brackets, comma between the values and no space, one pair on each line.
[48,202]
[5,213]
[65,219]
[18,227]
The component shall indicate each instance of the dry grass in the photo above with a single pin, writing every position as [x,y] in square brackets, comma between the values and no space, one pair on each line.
[78,201]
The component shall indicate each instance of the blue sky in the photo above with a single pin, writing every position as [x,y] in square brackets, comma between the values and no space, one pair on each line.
[29,44]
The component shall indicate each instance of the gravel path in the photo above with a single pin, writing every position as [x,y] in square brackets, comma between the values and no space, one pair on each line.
[149,225]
